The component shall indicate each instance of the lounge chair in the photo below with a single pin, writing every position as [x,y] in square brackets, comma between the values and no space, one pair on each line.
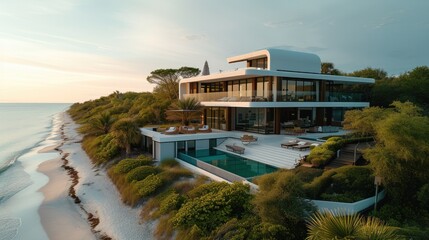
[171,131]
[235,149]
[204,129]
[302,145]
[187,130]
[246,139]
[289,144]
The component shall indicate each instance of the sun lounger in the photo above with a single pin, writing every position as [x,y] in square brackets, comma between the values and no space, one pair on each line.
[302,145]
[171,131]
[204,129]
[187,130]
[246,139]
[236,149]
[289,144]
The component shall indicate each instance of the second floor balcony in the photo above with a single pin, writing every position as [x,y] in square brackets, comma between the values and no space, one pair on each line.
[298,96]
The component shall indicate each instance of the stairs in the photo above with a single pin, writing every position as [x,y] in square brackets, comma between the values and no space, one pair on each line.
[275,156]
[347,156]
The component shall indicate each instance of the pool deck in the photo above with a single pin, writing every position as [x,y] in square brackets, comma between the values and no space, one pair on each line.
[266,150]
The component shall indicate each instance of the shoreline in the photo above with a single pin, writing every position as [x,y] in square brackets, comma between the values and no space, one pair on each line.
[83,196]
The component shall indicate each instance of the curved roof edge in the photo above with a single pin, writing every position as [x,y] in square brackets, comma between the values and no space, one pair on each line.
[284,60]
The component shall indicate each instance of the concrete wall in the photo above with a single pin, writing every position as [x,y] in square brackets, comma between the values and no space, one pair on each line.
[348,207]
[164,150]
[202,144]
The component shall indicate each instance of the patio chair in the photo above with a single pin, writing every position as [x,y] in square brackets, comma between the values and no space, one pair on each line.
[246,139]
[289,144]
[187,130]
[235,149]
[171,131]
[204,129]
[302,146]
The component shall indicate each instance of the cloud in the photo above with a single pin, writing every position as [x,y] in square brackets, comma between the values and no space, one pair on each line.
[194,37]
[280,24]
[40,7]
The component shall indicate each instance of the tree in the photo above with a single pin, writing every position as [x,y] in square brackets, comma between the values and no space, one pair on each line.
[280,200]
[101,124]
[401,150]
[126,133]
[340,225]
[402,145]
[167,81]
[184,110]
[376,73]
[329,68]
[362,122]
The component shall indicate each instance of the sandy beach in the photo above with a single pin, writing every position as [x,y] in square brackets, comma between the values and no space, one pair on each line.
[80,201]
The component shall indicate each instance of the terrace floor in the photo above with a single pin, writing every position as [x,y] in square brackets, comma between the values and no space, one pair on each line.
[266,150]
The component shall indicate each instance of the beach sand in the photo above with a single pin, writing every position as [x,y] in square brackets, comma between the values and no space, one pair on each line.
[60,216]
[65,218]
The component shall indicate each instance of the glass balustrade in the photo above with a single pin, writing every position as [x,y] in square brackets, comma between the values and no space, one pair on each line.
[250,96]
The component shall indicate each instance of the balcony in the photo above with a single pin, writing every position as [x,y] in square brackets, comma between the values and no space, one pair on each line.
[344,97]
[225,97]
[298,96]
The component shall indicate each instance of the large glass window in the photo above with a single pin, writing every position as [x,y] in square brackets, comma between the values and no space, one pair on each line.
[216,118]
[258,63]
[296,90]
[341,92]
[258,120]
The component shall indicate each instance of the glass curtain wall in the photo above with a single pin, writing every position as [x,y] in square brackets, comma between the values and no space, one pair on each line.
[216,118]
[340,92]
[294,90]
[258,120]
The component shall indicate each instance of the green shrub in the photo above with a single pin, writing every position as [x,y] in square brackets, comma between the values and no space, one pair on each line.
[320,155]
[318,185]
[108,148]
[148,186]
[214,207]
[334,143]
[126,165]
[172,174]
[140,173]
[354,181]
[172,202]
[207,188]
[346,197]
[423,196]
[169,163]
[307,174]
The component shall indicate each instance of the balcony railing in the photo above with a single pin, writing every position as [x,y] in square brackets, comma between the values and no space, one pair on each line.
[299,96]
[344,97]
[226,97]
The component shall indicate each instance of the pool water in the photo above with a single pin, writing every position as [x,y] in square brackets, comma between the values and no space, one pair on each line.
[240,166]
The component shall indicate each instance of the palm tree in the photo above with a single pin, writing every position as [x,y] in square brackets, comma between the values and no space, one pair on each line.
[101,124]
[184,110]
[340,225]
[126,133]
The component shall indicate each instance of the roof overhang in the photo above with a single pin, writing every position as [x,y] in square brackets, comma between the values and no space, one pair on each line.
[243,73]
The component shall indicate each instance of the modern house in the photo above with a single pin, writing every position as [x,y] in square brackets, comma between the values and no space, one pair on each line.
[277,88]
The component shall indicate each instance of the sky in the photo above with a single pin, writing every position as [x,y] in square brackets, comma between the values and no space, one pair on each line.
[79,50]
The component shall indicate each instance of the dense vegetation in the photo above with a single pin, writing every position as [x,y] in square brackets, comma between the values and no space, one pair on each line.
[400,157]
[189,207]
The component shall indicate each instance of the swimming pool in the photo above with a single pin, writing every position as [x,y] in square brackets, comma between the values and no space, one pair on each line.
[237,165]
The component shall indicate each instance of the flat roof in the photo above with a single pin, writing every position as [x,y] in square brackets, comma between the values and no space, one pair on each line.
[256,72]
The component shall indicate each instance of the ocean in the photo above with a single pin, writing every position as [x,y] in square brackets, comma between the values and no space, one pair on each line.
[25,128]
